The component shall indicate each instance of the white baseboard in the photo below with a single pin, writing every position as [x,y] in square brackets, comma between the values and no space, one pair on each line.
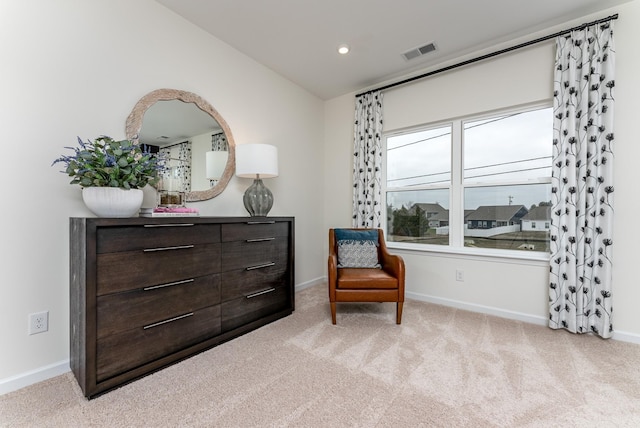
[502,313]
[472,307]
[623,336]
[34,376]
[311,283]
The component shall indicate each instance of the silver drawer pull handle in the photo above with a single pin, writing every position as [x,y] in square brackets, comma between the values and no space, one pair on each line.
[169,225]
[179,247]
[260,239]
[261,266]
[261,222]
[260,293]
[169,284]
[169,320]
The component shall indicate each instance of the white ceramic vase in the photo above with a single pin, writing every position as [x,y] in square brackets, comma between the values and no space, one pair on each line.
[112,201]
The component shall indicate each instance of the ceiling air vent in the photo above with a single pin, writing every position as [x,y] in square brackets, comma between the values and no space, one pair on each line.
[416,52]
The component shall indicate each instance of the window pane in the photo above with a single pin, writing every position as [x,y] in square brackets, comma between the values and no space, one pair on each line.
[516,146]
[419,158]
[420,216]
[508,217]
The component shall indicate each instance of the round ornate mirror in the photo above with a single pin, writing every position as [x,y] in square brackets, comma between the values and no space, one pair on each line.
[174,120]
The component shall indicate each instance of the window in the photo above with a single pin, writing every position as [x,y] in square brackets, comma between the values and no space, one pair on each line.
[477,182]
[419,167]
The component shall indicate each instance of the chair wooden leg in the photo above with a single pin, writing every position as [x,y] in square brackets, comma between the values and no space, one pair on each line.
[399,312]
[333,312]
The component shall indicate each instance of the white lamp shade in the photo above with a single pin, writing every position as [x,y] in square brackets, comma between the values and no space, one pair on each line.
[216,162]
[254,159]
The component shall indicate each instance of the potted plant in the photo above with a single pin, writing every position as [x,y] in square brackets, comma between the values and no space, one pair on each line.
[111,174]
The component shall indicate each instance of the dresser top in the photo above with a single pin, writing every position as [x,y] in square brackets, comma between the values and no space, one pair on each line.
[134,221]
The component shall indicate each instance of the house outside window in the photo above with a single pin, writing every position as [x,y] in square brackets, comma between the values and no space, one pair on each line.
[472,182]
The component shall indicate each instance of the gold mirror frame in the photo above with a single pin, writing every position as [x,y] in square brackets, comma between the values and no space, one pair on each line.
[134,125]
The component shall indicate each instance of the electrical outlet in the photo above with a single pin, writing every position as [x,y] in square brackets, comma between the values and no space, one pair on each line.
[459,275]
[38,322]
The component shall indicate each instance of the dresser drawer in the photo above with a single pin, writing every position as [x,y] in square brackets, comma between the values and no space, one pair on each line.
[124,351]
[137,269]
[122,311]
[254,306]
[140,237]
[242,282]
[254,254]
[252,230]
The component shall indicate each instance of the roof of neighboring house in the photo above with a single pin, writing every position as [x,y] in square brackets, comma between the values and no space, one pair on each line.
[428,208]
[441,216]
[495,212]
[538,213]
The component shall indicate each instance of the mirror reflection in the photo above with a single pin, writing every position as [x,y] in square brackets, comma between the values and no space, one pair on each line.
[193,138]
[184,135]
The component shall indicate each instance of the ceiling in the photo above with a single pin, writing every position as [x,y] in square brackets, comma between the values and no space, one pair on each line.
[299,38]
[173,121]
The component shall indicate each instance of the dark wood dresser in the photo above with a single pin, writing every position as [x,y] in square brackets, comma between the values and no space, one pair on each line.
[148,292]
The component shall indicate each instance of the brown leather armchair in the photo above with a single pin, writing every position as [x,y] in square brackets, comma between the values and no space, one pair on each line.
[366,284]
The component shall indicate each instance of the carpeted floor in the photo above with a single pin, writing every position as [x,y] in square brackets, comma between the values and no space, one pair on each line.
[442,367]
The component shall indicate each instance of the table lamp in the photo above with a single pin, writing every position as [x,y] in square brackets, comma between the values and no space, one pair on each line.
[257,161]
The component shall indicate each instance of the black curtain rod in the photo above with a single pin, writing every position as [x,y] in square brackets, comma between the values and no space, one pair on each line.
[169,145]
[489,55]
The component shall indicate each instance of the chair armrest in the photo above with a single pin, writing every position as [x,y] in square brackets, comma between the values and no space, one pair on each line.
[391,263]
[394,265]
[332,275]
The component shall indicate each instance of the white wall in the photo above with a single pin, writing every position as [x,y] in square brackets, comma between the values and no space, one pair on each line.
[76,68]
[517,289]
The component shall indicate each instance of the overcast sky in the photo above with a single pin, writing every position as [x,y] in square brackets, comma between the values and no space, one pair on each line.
[493,148]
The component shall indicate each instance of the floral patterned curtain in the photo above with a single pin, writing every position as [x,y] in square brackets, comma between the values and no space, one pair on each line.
[582,182]
[367,161]
[178,164]
[184,167]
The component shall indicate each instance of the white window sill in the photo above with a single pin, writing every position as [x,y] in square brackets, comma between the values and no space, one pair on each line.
[527,257]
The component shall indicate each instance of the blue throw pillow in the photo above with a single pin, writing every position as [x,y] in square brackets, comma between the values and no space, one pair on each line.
[356,235]
[357,248]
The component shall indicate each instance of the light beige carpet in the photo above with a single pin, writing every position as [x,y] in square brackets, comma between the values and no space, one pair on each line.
[442,367]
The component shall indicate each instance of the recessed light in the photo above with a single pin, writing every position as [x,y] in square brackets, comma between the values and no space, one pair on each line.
[343,49]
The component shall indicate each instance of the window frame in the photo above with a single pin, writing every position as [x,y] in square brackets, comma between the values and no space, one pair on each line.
[457,186]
